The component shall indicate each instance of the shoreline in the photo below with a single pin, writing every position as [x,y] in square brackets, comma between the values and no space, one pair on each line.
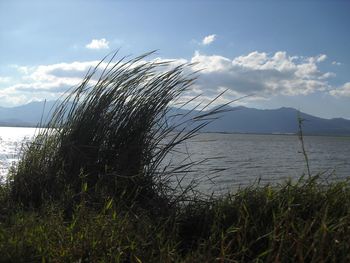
[217,132]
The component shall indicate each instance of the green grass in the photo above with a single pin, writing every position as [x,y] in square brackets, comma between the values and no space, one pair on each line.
[292,222]
[93,187]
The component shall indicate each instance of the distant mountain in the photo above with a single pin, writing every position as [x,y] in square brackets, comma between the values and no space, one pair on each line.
[282,120]
[25,115]
[235,120]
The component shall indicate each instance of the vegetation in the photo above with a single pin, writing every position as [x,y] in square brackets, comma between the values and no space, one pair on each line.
[93,187]
[301,222]
[110,136]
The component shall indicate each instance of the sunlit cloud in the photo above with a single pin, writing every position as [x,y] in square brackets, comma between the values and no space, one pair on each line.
[259,74]
[4,79]
[262,74]
[98,44]
[343,91]
[321,58]
[208,39]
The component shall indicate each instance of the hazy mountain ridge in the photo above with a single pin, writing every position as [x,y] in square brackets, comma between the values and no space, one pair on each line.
[235,120]
[25,115]
[282,120]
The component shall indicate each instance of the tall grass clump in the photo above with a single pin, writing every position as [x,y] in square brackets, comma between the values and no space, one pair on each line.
[108,136]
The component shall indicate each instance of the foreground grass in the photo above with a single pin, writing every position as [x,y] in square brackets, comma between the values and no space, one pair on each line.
[300,222]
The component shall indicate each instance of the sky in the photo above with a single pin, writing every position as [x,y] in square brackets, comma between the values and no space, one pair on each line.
[280,53]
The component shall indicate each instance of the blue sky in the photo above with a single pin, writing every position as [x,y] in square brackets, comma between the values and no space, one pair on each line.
[285,53]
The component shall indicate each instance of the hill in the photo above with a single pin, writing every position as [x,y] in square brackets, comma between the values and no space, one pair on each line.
[235,120]
[282,120]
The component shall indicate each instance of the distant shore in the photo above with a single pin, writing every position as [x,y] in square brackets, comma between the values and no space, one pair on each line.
[206,132]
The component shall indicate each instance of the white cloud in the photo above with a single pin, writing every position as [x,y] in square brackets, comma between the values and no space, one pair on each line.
[208,39]
[20,69]
[98,44]
[343,91]
[336,63]
[321,58]
[44,82]
[259,73]
[48,81]
[262,74]
[4,79]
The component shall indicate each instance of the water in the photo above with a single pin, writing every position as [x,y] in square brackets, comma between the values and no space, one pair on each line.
[270,158]
[247,158]
[11,141]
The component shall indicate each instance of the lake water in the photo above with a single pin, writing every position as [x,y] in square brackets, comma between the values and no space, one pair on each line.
[270,158]
[11,141]
[247,158]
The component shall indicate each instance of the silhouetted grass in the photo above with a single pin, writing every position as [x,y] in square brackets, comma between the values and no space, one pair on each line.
[109,137]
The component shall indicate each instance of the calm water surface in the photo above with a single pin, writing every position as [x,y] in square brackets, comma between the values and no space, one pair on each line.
[247,158]
[270,158]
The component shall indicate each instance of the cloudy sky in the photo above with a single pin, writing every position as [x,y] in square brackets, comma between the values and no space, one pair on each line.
[282,53]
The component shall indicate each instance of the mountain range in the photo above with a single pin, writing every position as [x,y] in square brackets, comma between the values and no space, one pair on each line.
[280,121]
[234,120]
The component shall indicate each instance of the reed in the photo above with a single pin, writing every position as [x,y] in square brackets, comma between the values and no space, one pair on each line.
[109,136]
